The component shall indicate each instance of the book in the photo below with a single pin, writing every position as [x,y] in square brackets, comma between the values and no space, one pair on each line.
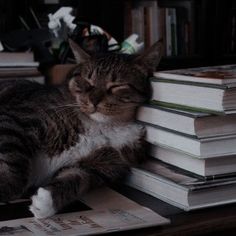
[185,24]
[206,147]
[173,27]
[113,214]
[137,14]
[201,96]
[38,79]
[19,65]
[194,123]
[157,22]
[180,189]
[209,88]
[168,31]
[147,20]
[215,167]
[217,75]
[17,59]
[18,71]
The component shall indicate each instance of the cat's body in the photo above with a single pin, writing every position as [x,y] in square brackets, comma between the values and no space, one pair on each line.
[93,138]
[66,140]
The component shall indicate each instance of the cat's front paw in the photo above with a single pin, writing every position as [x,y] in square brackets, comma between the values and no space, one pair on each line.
[42,204]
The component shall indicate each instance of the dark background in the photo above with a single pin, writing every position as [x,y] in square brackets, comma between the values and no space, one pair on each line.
[212,22]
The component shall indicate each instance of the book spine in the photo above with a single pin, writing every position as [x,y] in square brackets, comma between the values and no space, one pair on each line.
[155,31]
[168,32]
[138,22]
[161,26]
[173,26]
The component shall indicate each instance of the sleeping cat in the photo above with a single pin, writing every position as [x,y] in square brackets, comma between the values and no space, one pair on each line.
[68,139]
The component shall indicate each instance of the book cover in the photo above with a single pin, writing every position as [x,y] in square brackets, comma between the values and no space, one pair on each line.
[180,189]
[184,178]
[218,75]
[168,32]
[208,168]
[200,96]
[173,27]
[16,57]
[200,124]
[208,147]
[18,72]
[138,21]
[177,110]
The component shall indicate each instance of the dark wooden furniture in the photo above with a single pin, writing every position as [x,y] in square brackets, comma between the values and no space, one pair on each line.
[213,23]
[219,220]
[213,28]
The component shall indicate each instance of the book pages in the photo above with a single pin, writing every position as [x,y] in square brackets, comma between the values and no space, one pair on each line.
[111,212]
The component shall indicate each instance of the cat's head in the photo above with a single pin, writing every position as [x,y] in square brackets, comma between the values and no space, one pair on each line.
[111,86]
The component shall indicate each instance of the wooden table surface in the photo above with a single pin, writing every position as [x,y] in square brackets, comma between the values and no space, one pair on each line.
[217,221]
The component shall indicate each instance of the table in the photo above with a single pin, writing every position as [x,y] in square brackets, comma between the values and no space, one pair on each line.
[215,221]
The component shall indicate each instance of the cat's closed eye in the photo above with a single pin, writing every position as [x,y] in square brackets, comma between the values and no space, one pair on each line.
[120,88]
[122,92]
[82,86]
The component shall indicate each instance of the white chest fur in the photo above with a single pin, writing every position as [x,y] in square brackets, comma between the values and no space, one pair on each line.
[96,135]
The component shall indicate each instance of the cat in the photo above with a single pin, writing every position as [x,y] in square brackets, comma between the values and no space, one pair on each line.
[65,140]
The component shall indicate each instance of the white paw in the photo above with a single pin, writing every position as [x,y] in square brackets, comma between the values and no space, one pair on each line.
[42,204]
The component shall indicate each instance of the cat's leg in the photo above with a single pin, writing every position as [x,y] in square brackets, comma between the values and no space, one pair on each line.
[14,173]
[104,165]
[15,155]
[64,188]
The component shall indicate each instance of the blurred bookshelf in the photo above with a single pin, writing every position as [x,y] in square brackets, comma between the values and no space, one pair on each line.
[200,32]
[194,32]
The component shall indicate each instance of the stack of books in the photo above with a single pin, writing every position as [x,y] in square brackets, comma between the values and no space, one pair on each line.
[19,65]
[191,129]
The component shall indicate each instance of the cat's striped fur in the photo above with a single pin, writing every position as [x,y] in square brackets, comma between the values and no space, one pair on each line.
[69,139]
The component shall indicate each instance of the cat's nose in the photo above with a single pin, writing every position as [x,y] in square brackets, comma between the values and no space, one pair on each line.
[92,108]
[96,97]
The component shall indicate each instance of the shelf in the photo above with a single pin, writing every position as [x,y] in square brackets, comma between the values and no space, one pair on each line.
[211,30]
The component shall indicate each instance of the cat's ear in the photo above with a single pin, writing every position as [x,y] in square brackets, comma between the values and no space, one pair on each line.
[152,56]
[79,53]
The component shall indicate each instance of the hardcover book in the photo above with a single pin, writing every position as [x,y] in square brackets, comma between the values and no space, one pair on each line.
[211,89]
[180,188]
[200,96]
[207,147]
[213,167]
[199,124]
[17,59]
[221,75]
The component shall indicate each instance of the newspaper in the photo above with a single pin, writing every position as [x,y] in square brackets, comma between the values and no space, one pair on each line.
[111,212]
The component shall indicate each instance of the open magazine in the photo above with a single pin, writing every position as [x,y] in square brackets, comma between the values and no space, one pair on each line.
[111,212]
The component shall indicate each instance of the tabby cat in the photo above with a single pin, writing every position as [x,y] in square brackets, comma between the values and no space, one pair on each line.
[68,139]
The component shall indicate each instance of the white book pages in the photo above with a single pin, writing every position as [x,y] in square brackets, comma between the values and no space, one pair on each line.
[111,212]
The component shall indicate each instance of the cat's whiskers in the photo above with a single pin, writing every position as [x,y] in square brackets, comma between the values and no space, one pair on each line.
[63,110]
[116,109]
[67,110]
[66,107]
[72,115]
